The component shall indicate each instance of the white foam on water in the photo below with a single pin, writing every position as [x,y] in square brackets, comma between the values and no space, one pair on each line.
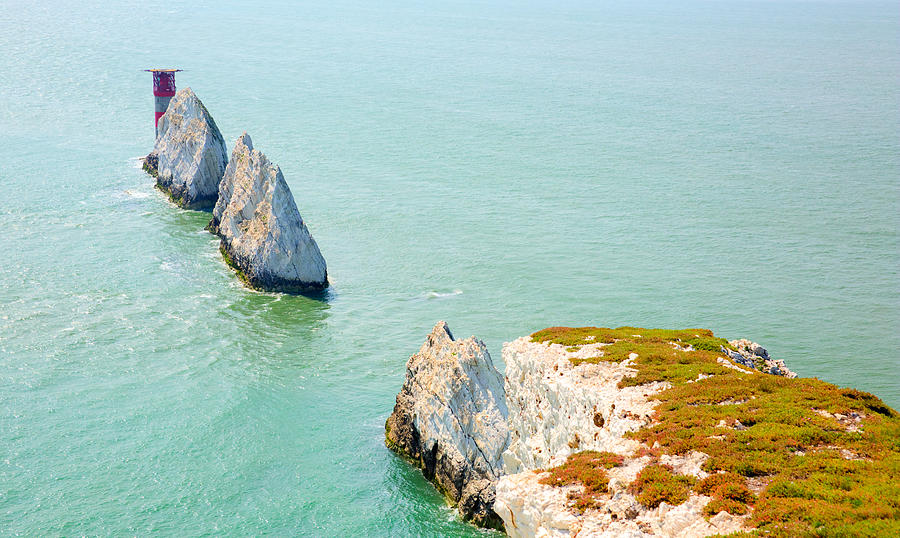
[442,295]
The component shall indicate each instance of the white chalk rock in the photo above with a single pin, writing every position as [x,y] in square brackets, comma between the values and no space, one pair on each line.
[450,419]
[189,157]
[263,235]
[557,409]
[530,509]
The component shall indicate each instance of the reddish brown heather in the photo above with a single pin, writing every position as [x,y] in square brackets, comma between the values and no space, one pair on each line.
[656,484]
[587,468]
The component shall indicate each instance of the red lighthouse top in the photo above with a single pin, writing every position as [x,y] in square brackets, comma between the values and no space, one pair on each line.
[163,81]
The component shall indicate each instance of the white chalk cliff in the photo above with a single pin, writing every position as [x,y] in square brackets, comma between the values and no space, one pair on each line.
[263,235]
[488,446]
[189,157]
[450,420]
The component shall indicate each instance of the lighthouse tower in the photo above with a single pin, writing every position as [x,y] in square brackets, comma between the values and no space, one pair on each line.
[163,91]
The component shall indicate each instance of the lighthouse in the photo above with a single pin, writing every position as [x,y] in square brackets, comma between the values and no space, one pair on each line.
[163,91]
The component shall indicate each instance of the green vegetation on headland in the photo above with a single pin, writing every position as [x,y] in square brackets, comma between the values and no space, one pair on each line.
[568,336]
[824,460]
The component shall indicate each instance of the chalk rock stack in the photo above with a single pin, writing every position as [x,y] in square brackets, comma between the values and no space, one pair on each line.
[263,235]
[189,157]
[450,420]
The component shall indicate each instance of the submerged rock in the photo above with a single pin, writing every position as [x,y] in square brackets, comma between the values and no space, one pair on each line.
[263,235]
[450,420]
[189,157]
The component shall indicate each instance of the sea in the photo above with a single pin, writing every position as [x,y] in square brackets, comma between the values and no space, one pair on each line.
[502,165]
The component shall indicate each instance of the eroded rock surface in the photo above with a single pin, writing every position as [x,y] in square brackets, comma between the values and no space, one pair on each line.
[450,420]
[189,157]
[263,235]
[557,409]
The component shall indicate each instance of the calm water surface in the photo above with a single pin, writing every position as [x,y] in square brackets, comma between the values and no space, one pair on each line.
[505,167]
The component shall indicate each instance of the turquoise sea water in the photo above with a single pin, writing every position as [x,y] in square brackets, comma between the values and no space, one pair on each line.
[504,166]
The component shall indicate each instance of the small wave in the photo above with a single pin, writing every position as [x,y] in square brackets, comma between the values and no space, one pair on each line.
[440,295]
[136,194]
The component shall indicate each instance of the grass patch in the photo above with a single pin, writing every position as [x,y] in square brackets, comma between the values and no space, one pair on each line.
[587,468]
[736,508]
[729,492]
[656,484]
[712,482]
[580,336]
[651,345]
[826,479]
